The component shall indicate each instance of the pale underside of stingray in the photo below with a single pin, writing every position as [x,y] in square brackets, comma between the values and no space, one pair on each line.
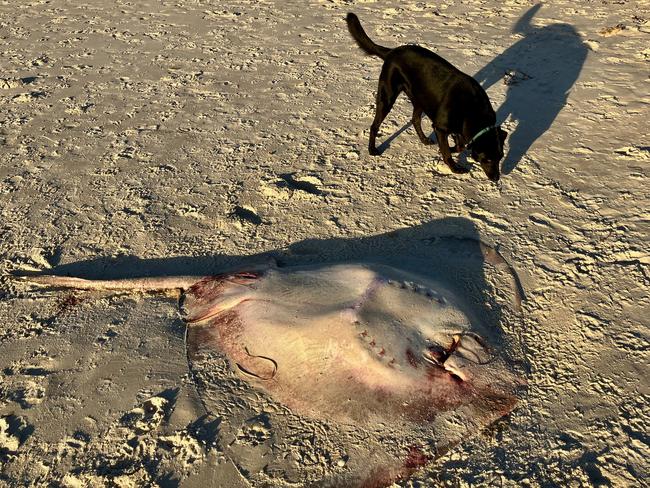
[352,344]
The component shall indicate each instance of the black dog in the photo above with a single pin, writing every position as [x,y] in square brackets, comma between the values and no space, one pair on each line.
[456,104]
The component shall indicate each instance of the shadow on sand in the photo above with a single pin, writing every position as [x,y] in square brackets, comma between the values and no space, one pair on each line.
[552,56]
[448,251]
[386,144]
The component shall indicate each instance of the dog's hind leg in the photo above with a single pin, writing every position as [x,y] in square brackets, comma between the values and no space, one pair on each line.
[387,93]
[445,151]
[416,120]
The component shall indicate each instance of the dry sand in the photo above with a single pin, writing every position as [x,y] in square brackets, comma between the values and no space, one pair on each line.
[194,136]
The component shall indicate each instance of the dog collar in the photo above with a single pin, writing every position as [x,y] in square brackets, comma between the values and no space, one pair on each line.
[479,134]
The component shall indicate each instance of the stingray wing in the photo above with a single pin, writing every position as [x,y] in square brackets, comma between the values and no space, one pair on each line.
[342,342]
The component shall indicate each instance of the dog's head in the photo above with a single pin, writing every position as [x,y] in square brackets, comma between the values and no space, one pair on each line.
[488,150]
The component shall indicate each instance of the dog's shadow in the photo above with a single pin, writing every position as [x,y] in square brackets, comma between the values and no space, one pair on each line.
[386,144]
[541,67]
[461,158]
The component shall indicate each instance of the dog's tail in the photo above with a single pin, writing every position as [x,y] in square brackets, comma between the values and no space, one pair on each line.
[362,39]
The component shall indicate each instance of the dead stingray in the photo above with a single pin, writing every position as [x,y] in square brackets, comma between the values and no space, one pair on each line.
[367,346]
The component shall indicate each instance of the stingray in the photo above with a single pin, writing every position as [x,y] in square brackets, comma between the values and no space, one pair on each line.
[361,347]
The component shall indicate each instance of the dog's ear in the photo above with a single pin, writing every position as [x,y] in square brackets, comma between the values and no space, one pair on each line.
[502,134]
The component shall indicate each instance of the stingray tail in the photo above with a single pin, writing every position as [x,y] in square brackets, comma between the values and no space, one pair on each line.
[362,39]
[159,283]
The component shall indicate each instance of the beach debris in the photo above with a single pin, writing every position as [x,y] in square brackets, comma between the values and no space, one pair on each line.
[613,30]
[514,77]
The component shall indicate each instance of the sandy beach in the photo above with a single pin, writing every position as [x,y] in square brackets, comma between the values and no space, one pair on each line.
[194,137]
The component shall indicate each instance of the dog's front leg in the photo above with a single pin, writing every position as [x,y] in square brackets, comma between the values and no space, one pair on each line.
[459,145]
[445,151]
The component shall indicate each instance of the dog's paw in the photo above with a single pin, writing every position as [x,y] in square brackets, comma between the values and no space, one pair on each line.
[457,169]
[427,142]
[373,151]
